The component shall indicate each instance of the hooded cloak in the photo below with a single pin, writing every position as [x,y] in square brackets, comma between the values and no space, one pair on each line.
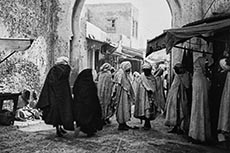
[87,109]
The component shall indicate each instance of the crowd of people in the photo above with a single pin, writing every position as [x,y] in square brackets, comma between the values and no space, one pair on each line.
[191,100]
[95,98]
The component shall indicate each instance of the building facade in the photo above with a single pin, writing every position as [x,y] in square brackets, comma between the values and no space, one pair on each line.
[119,21]
[55,28]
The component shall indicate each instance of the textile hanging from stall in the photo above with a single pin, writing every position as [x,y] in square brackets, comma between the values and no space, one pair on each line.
[172,37]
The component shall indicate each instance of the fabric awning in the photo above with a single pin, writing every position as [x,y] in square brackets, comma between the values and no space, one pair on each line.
[132,52]
[104,47]
[16,44]
[171,37]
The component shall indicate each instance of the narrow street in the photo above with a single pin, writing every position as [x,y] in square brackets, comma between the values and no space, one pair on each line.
[41,138]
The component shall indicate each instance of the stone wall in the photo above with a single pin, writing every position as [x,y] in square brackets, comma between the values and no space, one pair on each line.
[50,24]
[27,19]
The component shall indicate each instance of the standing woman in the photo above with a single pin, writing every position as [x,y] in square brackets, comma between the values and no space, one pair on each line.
[200,126]
[124,95]
[55,99]
[87,109]
[105,90]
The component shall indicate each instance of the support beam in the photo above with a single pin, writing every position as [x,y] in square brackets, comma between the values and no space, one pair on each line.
[193,50]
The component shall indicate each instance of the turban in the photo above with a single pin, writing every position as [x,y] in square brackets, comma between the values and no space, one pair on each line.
[223,64]
[136,74]
[125,65]
[178,65]
[62,59]
[146,65]
[112,69]
[105,67]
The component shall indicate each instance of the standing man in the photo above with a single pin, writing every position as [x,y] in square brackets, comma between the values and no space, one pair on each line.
[124,95]
[177,108]
[105,91]
[145,102]
[55,99]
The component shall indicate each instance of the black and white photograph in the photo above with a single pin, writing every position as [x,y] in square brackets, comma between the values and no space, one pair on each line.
[114,76]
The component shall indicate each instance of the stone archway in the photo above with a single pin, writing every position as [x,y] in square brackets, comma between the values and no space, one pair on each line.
[76,42]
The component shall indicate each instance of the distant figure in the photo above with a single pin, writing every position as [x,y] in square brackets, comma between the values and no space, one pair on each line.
[33,100]
[145,102]
[160,95]
[124,95]
[105,91]
[55,99]
[23,100]
[136,79]
[24,110]
[177,109]
[112,70]
[87,109]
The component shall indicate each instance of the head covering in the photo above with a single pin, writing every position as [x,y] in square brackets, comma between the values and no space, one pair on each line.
[34,95]
[86,106]
[146,65]
[125,65]
[178,65]
[136,74]
[26,94]
[94,74]
[105,67]
[62,60]
[85,75]
[199,64]
[179,68]
[223,64]
[84,82]
[159,72]
[112,69]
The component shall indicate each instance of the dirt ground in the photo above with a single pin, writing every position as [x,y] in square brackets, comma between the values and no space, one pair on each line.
[41,138]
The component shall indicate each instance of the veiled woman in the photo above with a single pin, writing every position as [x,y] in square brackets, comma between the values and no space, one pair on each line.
[200,126]
[105,91]
[87,109]
[55,99]
[124,96]
[177,108]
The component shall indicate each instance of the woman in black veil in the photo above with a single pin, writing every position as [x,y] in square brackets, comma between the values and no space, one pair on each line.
[87,109]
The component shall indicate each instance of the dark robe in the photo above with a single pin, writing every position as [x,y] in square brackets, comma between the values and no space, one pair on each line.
[55,99]
[218,80]
[87,109]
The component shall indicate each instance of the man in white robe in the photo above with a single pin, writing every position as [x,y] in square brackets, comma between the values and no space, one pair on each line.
[124,95]
[145,102]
